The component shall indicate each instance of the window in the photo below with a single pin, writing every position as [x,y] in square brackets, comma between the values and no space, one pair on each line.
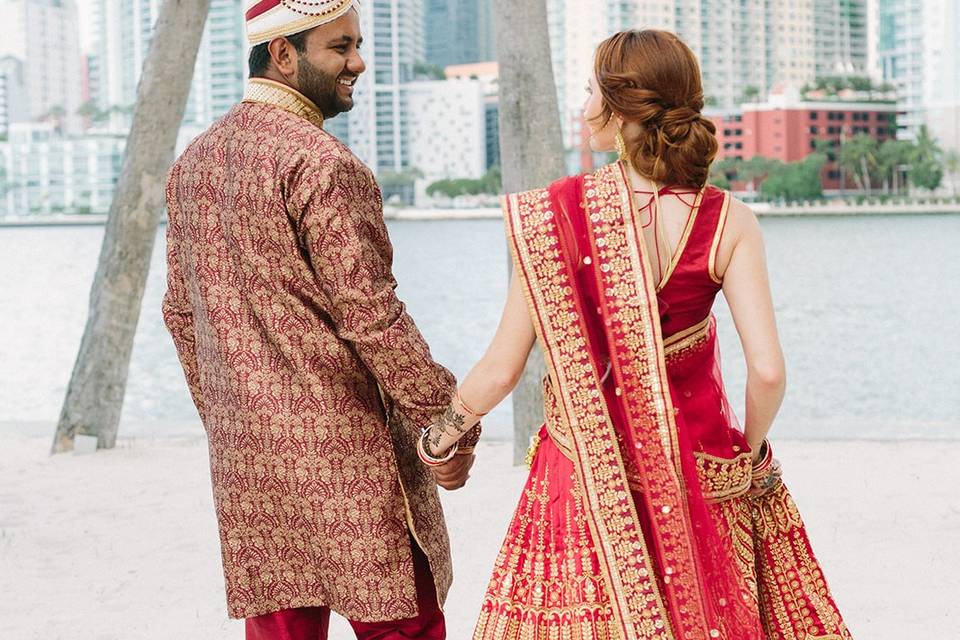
[814,115]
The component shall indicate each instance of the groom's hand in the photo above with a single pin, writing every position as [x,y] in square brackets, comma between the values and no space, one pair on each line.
[453,475]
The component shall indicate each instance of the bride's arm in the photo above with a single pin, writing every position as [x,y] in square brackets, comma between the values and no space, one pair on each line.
[493,377]
[747,291]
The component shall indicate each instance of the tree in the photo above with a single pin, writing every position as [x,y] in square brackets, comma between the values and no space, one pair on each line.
[858,156]
[95,394]
[424,71]
[794,180]
[750,94]
[891,156]
[926,171]
[753,169]
[490,184]
[951,164]
[531,151]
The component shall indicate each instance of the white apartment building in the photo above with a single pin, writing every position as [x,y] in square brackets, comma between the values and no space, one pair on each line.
[919,53]
[13,94]
[46,173]
[742,45]
[125,28]
[841,45]
[393,44]
[45,36]
[446,128]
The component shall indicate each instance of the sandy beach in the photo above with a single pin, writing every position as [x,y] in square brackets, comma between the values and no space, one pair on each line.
[122,544]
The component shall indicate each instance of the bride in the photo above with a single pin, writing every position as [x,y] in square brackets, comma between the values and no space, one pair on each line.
[648,512]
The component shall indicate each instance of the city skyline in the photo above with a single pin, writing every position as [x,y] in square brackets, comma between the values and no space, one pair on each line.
[419,119]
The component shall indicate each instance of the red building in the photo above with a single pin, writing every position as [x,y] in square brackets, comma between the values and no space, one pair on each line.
[789,131]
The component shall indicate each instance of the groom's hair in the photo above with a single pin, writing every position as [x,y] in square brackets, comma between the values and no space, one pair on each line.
[259,59]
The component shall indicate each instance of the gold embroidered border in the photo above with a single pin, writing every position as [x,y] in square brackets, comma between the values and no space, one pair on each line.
[723,478]
[712,270]
[287,98]
[621,549]
[629,307]
[693,338]
[301,24]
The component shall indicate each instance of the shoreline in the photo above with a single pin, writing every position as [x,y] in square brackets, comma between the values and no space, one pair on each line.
[762,209]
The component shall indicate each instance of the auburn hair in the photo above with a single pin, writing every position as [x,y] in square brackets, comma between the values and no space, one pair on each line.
[651,78]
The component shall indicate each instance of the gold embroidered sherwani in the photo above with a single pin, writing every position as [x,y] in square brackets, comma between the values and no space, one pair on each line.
[281,303]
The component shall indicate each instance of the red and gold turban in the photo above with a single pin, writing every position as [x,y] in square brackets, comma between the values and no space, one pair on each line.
[269,19]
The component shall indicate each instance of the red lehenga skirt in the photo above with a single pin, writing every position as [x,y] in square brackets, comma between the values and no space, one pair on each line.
[547,582]
[635,522]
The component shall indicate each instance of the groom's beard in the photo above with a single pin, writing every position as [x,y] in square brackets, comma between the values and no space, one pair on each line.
[321,88]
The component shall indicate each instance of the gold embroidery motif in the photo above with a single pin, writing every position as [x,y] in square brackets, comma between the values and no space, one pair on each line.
[723,478]
[545,583]
[625,561]
[287,98]
[689,339]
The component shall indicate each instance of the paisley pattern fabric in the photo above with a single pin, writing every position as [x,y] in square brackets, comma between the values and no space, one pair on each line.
[296,350]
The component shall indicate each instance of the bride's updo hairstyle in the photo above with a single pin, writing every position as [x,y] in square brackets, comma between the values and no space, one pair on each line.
[651,79]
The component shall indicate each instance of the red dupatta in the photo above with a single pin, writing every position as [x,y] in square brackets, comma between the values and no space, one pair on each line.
[669,572]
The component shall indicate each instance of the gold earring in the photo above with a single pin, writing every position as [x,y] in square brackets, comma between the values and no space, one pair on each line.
[620,144]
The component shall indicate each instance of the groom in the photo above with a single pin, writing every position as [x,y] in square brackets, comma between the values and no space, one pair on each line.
[310,378]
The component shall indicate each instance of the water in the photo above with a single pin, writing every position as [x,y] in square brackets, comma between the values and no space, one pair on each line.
[867,309]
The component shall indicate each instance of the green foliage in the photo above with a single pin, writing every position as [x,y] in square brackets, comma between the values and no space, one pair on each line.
[490,183]
[750,94]
[926,169]
[858,157]
[422,70]
[405,178]
[794,180]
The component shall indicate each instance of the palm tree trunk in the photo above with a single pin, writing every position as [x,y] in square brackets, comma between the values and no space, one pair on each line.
[866,174]
[531,152]
[95,393]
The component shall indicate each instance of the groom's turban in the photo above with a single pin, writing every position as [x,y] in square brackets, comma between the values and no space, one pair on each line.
[269,19]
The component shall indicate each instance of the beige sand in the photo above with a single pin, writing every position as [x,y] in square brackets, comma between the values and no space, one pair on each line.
[122,544]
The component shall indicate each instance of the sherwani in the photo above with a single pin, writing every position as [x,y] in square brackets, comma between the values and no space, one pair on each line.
[296,350]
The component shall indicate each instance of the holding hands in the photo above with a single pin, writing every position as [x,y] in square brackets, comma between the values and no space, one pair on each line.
[447,445]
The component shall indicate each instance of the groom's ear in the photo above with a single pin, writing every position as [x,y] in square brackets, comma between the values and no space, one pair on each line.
[284,56]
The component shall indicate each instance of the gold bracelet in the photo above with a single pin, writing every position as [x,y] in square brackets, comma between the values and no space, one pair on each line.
[428,458]
[466,408]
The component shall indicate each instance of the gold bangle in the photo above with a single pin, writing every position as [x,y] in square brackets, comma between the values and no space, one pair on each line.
[428,458]
[466,408]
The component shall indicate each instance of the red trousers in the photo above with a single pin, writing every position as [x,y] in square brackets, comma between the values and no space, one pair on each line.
[311,623]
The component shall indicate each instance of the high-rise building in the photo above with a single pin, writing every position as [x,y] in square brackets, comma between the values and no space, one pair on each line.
[919,53]
[125,29]
[47,173]
[446,128]
[746,48]
[841,37]
[45,36]
[13,94]
[393,46]
[458,32]
[488,73]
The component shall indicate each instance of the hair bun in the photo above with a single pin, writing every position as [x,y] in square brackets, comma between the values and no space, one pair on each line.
[651,79]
